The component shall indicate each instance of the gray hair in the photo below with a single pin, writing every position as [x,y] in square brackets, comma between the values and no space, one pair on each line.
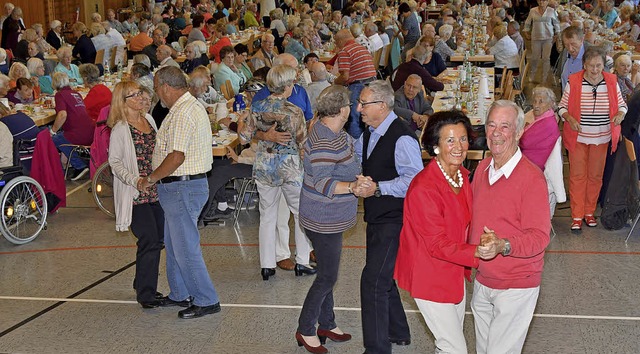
[64,51]
[445,31]
[195,48]
[331,100]
[594,52]
[279,77]
[414,77]
[519,113]
[419,53]
[197,79]
[144,26]
[381,90]
[172,76]
[59,80]
[202,46]
[356,29]
[143,59]
[545,93]
[90,73]
[32,65]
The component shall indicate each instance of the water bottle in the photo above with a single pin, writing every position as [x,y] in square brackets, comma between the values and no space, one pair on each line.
[239,105]
[120,71]
[107,71]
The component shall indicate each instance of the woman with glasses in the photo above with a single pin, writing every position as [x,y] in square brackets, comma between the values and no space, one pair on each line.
[133,137]
[331,167]
[592,108]
[242,54]
[227,70]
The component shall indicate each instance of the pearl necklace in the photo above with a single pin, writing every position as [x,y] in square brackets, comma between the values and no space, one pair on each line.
[449,179]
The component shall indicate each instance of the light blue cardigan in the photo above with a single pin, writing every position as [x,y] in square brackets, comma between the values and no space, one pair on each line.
[225,73]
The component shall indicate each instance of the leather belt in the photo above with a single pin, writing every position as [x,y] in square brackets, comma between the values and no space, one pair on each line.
[170,179]
[364,81]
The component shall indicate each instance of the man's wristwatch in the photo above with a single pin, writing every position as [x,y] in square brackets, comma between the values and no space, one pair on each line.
[507,248]
[377,192]
[149,180]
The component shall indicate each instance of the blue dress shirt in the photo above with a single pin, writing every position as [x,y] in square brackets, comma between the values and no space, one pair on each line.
[407,155]
[298,97]
[571,66]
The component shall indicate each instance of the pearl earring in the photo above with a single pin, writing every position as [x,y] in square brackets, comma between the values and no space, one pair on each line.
[436,150]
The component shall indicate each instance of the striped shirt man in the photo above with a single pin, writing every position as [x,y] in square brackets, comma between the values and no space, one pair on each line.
[356,59]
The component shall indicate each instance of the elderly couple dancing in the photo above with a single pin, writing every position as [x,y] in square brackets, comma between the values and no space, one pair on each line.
[426,228]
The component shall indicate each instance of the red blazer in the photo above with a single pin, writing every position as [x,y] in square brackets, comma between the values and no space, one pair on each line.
[434,256]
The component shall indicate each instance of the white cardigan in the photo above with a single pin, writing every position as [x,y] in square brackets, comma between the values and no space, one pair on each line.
[124,165]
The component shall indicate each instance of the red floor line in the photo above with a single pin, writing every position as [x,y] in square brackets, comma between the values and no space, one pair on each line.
[85,248]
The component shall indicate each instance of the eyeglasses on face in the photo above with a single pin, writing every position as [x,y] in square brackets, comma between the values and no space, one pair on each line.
[364,104]
[135,94]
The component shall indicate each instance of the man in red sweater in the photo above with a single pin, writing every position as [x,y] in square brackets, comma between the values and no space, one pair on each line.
[511,214]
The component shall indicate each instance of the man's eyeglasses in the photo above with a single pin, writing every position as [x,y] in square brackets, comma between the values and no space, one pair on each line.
[594,90]
[364,104]
[135,94]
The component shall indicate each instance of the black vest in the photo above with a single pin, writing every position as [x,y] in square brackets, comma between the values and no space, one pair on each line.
[381,166]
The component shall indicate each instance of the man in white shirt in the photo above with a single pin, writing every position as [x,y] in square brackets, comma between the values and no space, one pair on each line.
[371,31]
[356,31]
[117,40]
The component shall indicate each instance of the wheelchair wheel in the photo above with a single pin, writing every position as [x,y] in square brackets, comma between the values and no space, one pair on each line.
[24,210]
[102,189]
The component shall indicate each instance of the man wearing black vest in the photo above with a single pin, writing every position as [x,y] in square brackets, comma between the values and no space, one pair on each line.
[391,157]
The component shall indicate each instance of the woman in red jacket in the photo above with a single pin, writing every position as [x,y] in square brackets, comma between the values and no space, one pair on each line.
[434,256]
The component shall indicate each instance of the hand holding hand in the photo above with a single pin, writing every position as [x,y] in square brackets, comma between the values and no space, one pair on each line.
[490,245]
[365,187]
[143,185]
[282,138]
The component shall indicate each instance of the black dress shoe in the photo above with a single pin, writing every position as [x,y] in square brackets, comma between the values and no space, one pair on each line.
[267,272]
[195,311]
[167,302]
[302,270]
[400,341]
[151,304]
[158,295]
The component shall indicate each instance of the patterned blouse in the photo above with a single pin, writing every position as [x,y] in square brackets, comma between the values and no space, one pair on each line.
[144,144]
[276,164]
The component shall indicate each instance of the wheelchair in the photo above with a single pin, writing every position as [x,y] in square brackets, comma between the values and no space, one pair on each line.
[23,204]
[102,189]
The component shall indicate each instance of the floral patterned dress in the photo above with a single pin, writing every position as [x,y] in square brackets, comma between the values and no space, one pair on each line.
[144,144]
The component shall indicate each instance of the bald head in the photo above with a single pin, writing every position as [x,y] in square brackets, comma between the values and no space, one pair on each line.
[318,72]
[286,59]
[342,37]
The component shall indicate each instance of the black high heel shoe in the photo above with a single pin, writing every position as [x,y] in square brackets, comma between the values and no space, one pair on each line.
[302,270]
[267,272]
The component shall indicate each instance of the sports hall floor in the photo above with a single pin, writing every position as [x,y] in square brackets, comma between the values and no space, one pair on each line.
[70,291]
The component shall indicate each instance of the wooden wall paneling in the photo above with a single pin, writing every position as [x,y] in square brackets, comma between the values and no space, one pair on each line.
[33,11]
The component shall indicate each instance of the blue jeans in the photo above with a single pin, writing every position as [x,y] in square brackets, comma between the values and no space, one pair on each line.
[186,271]
[354,125]
[59,139]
